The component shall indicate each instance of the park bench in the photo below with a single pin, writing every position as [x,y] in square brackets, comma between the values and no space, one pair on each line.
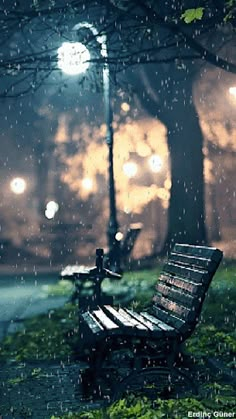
[152,339]
[88,282]
[129,241]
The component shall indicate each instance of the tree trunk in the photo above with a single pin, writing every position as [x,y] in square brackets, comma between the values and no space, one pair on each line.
[186,215]
[169,98]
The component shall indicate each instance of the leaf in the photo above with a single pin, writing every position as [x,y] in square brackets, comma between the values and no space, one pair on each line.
[199,13]
[192,14]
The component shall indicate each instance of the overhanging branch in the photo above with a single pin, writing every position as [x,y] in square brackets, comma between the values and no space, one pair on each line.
[175,28]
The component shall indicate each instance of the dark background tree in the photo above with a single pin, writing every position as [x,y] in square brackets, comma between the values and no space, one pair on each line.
[138,32]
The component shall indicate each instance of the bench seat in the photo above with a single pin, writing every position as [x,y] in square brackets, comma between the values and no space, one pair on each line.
[106,321]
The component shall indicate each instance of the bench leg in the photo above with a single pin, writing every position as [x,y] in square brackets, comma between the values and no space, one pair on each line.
[90,377]
[173,354]
[93,384]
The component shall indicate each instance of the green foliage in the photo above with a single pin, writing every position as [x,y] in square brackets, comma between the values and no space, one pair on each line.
[230,10]
[135,288]
[60,289]
[141,408]
[221,299]
[45,337]
[208,341]
[221,397]
[190,15]
[15,381]
[217,398]
[131,408]
[215,334]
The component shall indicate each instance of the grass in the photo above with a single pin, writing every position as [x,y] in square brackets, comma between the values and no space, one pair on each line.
[215,334]
[142,408]
[134,286]
[54,337]
[44,337]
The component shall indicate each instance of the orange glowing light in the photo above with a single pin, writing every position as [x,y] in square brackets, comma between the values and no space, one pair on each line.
[232,91]
[119,236]
[87,183]
[125,107]
[143,149]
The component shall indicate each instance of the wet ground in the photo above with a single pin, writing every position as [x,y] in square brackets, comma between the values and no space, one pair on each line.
[43,390]
[40,391]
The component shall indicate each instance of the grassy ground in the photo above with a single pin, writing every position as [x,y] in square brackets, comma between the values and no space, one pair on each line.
[54,337]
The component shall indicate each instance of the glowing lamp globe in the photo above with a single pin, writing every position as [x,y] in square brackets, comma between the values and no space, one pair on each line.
[18,185]
[73,58]
[51,209]
[119,236]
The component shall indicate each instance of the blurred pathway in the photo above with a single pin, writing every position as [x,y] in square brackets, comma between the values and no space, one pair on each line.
[22,297]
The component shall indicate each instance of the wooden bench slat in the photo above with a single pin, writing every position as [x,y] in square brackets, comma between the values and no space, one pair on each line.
[193,288]
[193,261]
[129,325]
[170,319]
[179,310]
[135,322]
[199,251]
[187,273]
[152,327]
[117,317]
[166,327]
[92,323]
[106,322]
[176,295]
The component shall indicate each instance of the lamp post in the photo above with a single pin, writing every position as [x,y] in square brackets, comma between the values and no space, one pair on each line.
[77,62]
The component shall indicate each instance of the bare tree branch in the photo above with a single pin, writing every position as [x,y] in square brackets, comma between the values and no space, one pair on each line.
[138,32]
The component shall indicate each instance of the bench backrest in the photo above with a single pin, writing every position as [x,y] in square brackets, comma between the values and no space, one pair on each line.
[129,241]
[183,284]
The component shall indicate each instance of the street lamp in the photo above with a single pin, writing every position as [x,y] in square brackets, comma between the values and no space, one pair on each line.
[18,185]
[77,56]
[51,209]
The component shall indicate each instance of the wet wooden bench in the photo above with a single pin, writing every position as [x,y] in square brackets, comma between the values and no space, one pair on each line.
[88,282]
[153,337]
[125,249]
[129,241]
